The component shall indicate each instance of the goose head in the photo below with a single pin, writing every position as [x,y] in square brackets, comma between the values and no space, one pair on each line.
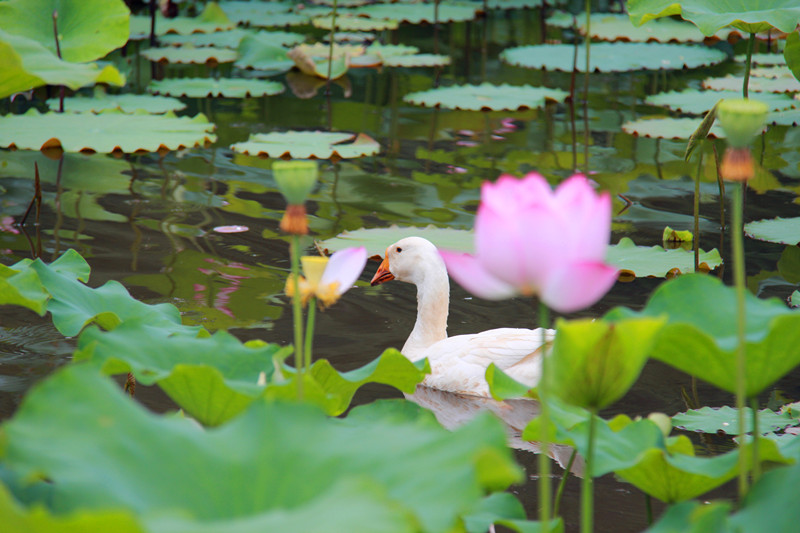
[413,260]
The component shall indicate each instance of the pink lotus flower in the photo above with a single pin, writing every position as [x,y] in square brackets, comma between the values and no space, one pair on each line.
[532,240]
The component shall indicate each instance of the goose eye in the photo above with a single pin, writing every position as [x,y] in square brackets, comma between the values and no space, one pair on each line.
[398,249]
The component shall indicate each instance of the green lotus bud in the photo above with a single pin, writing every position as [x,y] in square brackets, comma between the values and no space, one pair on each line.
[295,179]
[663,422]
[742,120]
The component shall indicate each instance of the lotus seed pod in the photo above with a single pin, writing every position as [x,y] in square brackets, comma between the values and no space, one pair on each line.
[742,120]
[295,179]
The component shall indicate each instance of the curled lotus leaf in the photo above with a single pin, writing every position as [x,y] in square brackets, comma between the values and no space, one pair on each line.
[696,102]
[243,12]
[418,60]
[618,27]
[223,87]
[349,23]
[668,128]
[711,15]
[313,59]
[768,85]
[778,230]
[125,103]
[419,13]
[613,57]
[190,55]
[212,19]
[309,145]
[486,97]
[107,132]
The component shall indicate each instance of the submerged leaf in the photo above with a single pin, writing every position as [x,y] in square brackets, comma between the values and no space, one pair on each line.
[486,97]
[308,145]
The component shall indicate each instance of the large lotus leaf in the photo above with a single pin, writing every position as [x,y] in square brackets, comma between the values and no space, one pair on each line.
[791,53]
[265,468]
[711,15]
[769,504]
[618,27]
[207,87]
[87,29]
[694,517]
[26,64]
[125,103]
[757,85]
[787,117]
[349,23]
[256,53]
[418,13]
[418,60]
[696,102]
[668,128]
[212,19]
[725,419]
[486,97]
[190,55]
[105,133]
[308,145]
[779,230]
[700,337]
[243,12]
[613,57]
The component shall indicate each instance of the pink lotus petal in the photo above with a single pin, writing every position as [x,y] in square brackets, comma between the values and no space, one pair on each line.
[469,273]
[343,268]
[231,229]
[577,286]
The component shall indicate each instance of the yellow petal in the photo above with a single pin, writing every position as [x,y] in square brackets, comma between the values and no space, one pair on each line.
[313,268]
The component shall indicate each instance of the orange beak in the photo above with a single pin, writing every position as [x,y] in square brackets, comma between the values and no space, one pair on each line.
[382,275]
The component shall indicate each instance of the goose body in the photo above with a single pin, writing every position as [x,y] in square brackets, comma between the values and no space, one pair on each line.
[458,364]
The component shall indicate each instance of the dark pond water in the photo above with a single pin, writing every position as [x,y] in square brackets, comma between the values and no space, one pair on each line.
[149,222]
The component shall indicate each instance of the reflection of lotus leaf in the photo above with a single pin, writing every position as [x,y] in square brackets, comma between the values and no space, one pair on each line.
[780,230]
[696,102]
[618,27]
[87,29]
[668,128]
[308,145]
[245,12]
[711,15]
[190,54]
[486,97]
[106,133]
[734,83]
[126,103]
[225,87]
[355,24]
[419,13]
[613,57]
[417,60]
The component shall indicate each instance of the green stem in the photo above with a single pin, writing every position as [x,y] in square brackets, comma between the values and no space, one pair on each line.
[756,464]
[587,496]
[563,482]
[738,277]
[545,488]
[297,307]
[330,49]
[697,212]
[648,503]
[312,315]
[750,45]
[586,133]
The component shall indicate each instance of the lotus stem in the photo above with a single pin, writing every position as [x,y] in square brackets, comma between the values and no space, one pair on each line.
[721,187]
[587,497]
[696,227]
[756,465]
[648,504]
[563,482]
[750,45]
[544,416]
[738,277]
[435,26]
[586,133]
[62,90]
[312,315]
[330,50]
[297,307]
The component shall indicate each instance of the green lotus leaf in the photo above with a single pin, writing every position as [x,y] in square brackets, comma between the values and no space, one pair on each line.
[618,27]
[655,261]
[308,145]
[779,230]
[774,71]
[769,504]
[791,54]
[377,239]
[351,23]
[211,20]
[696,102]
[757,85]
[358,37]
[668,128]
[87,29]
[761,59]
[125,103]
[418,60]
[513,4]
[486,97]
[190,55]
[224,87]
[342,3]
[694,517]
[261,471]
[279,20]
[700,337]
[725,419]
[418,13]
[245,12]
[232,38]
[26,64]
[613,57]
[21,286]
[711,15]
[105,133]
[257,52]
[787,117]
[385,51]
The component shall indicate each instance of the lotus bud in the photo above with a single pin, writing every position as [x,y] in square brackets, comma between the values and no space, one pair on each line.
[663,422]
[295,179]
[742,120]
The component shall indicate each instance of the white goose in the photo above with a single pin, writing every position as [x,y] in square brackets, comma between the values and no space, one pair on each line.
[458,364]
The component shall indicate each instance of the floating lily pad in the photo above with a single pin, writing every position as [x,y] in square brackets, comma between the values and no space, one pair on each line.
[256,52]
[774,71]
[668,128]
[232,38]
[613,57]
[385,51]
[655,261]
[513,4]
[212,19]
[348,23]
[107,132]
[787,117]
[279,20]
[734,83]
[779,230]
[418,13]
[190,55]
[244,12]
[377,239]
[417,60]
[125,103]
[359,37]
[696,102]
[726,420]
[308,145]
[762,59]
[486,97]
[224,87]
[342,3]
[618,27]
